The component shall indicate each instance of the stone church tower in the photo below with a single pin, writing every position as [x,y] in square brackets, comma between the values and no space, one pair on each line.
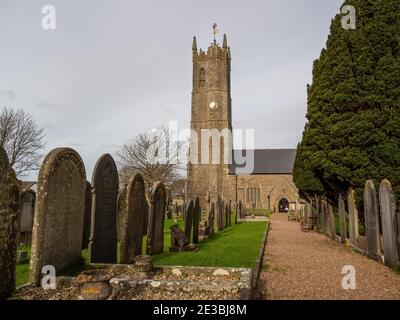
[211,110]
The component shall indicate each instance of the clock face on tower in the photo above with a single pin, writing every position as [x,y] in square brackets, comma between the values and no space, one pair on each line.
[213,105]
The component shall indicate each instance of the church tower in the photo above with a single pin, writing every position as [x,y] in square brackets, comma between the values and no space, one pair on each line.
[211,113]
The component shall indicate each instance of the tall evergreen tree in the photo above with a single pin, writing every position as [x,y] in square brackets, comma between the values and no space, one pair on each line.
[353,128]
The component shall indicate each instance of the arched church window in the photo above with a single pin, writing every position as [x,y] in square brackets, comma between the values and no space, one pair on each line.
[202,77]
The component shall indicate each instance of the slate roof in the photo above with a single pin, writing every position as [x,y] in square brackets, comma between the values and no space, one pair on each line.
[266,161]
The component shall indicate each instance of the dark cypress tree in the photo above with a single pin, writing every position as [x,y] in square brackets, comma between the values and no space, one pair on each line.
[353,128]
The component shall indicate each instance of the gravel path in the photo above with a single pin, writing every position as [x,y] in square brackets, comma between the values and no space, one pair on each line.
[306,265]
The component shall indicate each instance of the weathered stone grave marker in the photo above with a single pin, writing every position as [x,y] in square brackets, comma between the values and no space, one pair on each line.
[59,212]
[353,218]
[189,218]
[27,211]
[371,221]
[88,216]
[389,224]
[342,220]
[155,234]
[9,203]
[103,235]
[196,221]
[132,217]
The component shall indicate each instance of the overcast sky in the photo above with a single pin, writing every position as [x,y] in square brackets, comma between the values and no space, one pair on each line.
[112,69]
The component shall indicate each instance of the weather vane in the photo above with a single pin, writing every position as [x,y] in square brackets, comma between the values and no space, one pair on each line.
[215,31]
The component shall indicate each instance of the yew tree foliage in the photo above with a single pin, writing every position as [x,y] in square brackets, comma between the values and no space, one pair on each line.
[353,128]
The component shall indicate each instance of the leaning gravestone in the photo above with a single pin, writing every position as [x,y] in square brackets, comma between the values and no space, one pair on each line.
[353,217]
[103,235]
[342,220]
[371,221]
[132,217]
[196,221]
[155,234]
[189,219]
[9,198]
[390,234]
[59,212]
[88,216]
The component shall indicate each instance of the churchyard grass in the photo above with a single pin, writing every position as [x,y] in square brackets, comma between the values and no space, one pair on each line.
[235,246]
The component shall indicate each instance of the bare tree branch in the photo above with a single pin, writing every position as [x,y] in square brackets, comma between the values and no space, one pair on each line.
[155,156]
[22,139]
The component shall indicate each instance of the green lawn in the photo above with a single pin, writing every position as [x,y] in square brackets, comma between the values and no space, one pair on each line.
[236,246]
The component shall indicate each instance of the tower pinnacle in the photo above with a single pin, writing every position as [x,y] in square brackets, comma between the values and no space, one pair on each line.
[225,43]
[194,46]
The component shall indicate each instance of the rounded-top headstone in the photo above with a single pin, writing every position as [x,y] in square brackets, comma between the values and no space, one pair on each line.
[59,212]
[133,216]
[103,235]
[391,246]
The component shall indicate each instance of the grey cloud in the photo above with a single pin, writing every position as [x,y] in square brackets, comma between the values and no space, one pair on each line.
[8,94]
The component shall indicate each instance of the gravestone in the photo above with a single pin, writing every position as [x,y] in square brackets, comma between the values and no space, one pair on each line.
[390,234]
[353,218]
[9,203]
[196,221]
[229,213]
[220,208]
[121,204]
[371,214]
[211,219]
[241,210]
[155,234]
[59,212]
[318,213]
[223,215]
[88,216]
[342,220]
[179,241]
[332,222]
[325,226]
[27,211]
[103,231]
[189,220]
[132,217]
[145,217]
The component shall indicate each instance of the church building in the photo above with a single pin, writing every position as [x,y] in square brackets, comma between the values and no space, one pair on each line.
[268,183]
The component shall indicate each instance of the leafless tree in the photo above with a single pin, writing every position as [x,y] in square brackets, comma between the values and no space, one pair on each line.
[22,139]
[155,156]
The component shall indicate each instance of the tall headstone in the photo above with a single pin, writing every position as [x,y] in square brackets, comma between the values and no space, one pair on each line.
[353,217]
[218,218]
[371,213]
[391,246]
[132,217]
[27,211]
[88,216]
[155,234]
[227,215]
[59,212]
[189,220]
[342,220]
[103,231]
[211,219]
[196,221]
[332,222]
[223,215]
[9,203]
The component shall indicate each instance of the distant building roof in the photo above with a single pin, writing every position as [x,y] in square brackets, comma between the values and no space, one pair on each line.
[26,185]
[267,161]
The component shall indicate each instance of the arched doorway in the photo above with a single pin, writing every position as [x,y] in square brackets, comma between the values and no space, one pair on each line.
[283,205]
